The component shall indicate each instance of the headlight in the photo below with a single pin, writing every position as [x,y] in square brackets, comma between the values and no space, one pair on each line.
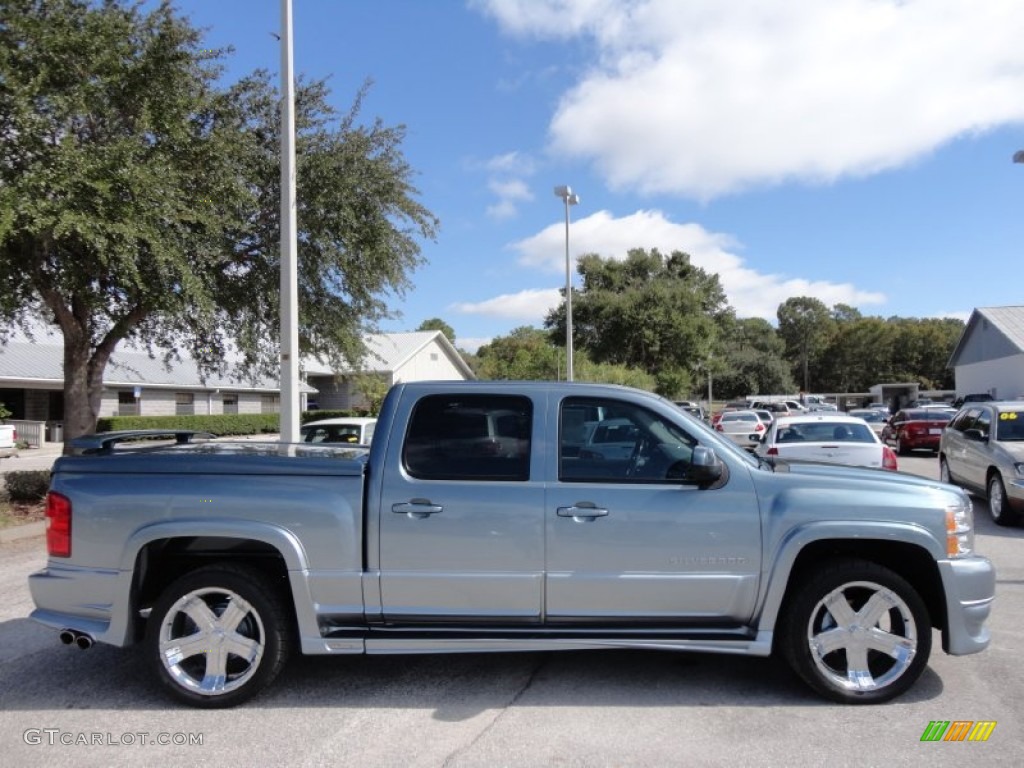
[960,530]
[1019,466]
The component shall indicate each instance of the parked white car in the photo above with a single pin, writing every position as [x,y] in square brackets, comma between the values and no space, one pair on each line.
[354,430]
[8,441]
[831,438]
[739,426]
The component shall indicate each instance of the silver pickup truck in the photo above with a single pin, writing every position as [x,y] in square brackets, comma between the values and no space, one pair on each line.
[483,518]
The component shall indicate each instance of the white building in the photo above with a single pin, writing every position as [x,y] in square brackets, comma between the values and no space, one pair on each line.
[989,357]
[32,382]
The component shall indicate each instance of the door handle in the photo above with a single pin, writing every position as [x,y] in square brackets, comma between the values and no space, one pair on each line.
[582,514]
[418,508]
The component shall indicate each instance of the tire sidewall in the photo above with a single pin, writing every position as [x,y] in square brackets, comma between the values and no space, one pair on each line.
[265,600]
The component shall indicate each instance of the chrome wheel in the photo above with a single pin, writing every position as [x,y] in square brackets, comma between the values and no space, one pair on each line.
[211,641]
[862,636]
[855,631]
[219,635]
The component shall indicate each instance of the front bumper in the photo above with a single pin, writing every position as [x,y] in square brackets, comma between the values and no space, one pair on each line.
[969,584]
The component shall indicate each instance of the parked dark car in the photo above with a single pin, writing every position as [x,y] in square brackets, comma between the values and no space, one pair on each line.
[915,429]
[977,397]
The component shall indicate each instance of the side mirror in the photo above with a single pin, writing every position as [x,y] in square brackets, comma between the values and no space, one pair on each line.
[703,470]
[975,435]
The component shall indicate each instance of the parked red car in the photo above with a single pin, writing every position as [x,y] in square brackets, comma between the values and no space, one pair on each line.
[916,429]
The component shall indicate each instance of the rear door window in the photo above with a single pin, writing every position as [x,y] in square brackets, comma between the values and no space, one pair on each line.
[470,437]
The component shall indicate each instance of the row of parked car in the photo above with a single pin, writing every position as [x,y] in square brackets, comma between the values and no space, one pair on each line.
[980,446]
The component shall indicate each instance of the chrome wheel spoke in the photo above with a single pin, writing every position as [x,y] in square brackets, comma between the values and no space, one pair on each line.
[236,610]
[898,647]
[243,647]
[182,648]
[839,607]
[875,608]
[197,610]
[216,671]
[830,641]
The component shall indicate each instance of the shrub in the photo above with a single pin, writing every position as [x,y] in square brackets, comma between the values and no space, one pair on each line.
[28,485]
[221,425]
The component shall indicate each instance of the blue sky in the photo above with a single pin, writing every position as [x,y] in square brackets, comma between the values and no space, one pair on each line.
[858,151]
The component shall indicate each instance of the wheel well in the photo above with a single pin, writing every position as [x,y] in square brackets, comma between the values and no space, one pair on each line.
[161,562]
[910,561]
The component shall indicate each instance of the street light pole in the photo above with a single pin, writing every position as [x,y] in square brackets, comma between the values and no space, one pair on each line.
[568,198]
[289,340]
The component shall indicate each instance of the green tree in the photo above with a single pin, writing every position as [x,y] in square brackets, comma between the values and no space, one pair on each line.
[752,360]
[806,325]
[437,324]
[656,313]
[524,354]
[140,201]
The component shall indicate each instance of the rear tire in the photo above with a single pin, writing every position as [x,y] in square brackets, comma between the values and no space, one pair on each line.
[856,632]
[218,636]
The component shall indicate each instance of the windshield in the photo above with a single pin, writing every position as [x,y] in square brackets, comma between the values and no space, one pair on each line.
[1010,426]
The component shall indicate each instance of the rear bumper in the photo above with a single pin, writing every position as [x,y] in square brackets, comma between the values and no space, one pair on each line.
[89,600]
[970,587]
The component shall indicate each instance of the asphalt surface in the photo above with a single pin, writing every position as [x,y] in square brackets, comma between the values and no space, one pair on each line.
[605,708]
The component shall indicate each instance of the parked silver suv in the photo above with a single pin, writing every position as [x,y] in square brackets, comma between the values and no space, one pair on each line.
[982,450]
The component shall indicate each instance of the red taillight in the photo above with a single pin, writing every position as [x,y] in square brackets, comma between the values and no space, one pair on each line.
[15,433]
[759,427]
[888,459]
[58,525]
[773,451]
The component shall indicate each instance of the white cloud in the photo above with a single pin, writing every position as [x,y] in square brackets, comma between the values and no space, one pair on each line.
[528,306]
[507,172]
[509,193]
[704,97]
[751,293]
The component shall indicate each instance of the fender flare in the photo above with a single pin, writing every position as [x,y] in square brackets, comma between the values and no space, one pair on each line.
[779,565]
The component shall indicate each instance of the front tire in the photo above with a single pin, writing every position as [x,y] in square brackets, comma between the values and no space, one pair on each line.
[998,505]
[944,475]
[856,632]
[218,635]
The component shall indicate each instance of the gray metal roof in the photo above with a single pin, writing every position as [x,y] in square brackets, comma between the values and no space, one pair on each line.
[1009,321]
[30,361]
[387,352]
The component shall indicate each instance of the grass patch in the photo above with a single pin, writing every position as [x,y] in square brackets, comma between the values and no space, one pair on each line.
[21,512]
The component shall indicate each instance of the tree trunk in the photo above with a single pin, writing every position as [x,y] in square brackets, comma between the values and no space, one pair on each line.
[81,404]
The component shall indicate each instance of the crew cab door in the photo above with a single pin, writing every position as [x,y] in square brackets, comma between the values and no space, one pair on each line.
[627,541]
[461,533]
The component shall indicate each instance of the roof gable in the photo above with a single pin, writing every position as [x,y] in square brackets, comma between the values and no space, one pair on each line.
[990,333]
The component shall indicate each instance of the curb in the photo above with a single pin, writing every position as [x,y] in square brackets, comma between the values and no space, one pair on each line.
[18,532]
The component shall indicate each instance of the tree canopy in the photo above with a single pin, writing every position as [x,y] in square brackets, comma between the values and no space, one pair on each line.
[139,199]
[657,313]
[437,324]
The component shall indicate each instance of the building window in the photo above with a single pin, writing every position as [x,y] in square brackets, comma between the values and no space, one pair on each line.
[230,403]
[270,404]
[184,403]
[127,404]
